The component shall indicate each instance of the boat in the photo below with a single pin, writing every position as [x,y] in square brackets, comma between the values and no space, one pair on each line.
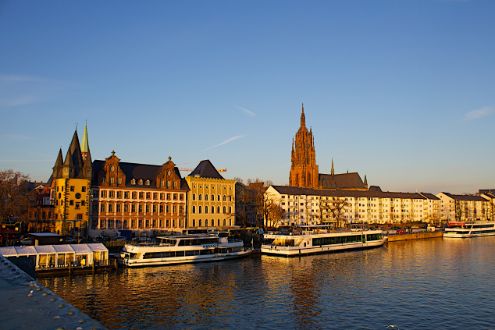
[314,242]
[469,229]
[183,249]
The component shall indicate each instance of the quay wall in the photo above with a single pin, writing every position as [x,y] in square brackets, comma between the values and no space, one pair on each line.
[26,304]
[413,236]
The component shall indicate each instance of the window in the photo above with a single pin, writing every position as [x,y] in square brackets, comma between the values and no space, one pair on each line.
[71,202]
[83,188]
[147,182]
[71,188]
[206,223]
[119,180]
[140,182]
[193,209]
[133,182]
[112,180]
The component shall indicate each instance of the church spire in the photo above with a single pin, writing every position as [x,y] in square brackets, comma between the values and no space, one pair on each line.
[365,181]
[59,163]
[332,171]
[85,144]
[303,116]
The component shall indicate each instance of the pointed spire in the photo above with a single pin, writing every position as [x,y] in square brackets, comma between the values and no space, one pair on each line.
[59,163]
[365,181]
[303,116]
[85,143]
[332,170]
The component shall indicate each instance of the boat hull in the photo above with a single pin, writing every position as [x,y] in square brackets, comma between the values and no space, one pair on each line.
[460,235]
[296,251]
[185,259]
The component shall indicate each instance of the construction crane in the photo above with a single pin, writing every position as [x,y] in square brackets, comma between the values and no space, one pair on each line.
[185,169]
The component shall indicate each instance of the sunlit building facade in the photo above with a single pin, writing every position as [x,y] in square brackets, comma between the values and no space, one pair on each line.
[466,207]
[211,198]
[308,206]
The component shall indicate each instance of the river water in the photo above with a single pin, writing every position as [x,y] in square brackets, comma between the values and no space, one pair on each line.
[424,284]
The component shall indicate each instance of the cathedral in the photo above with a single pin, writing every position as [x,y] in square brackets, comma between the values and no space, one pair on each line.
[304,170]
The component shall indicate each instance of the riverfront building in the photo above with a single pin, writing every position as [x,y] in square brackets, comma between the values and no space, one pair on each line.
[70,187]
[308,206]
[467,207]
[137,197]
[211,198]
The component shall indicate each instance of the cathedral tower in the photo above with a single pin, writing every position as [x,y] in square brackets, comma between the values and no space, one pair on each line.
[303,170]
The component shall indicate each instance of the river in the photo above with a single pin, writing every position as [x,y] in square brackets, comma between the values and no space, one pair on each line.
[424,284]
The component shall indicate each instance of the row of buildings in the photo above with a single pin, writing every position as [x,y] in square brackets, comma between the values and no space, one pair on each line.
[317,198]
[109,195]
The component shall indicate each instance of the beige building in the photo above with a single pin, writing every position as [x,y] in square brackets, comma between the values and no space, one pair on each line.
[210,199]
[466,207]
[307,206]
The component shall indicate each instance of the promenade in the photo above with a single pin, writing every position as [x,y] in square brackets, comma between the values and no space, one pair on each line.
[25,304]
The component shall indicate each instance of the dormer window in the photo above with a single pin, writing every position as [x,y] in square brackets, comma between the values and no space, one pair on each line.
[133,182]
[112,168]
[140,182]
[147,182]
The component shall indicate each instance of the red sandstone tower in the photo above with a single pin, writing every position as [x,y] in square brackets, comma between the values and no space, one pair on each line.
[303,170]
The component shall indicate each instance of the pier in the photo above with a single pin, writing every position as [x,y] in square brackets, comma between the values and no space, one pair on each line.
[414,236]
[27,304]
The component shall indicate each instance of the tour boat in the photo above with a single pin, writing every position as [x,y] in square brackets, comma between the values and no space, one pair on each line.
[317,242]
[469,229]
[183,249]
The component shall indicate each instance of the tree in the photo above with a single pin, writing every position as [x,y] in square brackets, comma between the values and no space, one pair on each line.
[272,213]
[337,208]
[14,195]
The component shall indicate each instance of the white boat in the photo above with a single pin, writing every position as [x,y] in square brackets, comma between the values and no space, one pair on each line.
[183,249]
[469,229]
[317,242]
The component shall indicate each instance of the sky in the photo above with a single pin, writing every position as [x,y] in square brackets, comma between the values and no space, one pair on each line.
[402,91]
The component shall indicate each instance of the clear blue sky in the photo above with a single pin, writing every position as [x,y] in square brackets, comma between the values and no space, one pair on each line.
[400,90]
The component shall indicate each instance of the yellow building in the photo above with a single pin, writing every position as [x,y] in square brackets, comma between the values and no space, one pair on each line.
[210,199]
[70,187]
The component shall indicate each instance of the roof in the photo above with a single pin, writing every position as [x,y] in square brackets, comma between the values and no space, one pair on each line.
[470,198]
[341,181]
[44,235]
[430,196]
[289,190]
[205,169]
[135,171]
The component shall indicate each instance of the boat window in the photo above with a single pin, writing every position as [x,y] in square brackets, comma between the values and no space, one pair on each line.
[192,253]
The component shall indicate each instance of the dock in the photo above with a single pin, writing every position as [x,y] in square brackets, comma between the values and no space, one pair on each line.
[414,236]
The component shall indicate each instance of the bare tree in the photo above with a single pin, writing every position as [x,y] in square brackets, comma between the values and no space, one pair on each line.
[14,194]
[337,208]
[272,213]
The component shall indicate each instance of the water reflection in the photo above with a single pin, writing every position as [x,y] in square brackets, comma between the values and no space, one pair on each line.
[413,284]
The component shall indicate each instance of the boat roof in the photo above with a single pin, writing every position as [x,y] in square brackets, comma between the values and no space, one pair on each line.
[22,251]
[335,233]
[191,236]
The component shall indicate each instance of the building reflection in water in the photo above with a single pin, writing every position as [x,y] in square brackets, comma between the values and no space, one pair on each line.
[415,284]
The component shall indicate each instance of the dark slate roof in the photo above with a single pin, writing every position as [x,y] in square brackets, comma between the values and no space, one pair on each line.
[341,181]
[472,198]
[205,169]
[488,192]
[289,190]
[135,171]
[430,196]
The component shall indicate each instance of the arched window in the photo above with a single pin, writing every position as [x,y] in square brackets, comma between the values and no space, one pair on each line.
[212,197]
[147,182]
[224,223]
[199,223]
[224,198]
[140,182]
[199,209]
[193,209]
[206,197]
[206,209]
[206,223]
[224,209]
[133,181]
[199,197]
[194,223]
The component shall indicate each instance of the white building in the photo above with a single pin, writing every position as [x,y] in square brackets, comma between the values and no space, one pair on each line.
[307,206]
[467,207]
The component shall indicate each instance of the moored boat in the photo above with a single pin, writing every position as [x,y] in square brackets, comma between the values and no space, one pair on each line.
[183,249]
[469,229]
[318,242]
